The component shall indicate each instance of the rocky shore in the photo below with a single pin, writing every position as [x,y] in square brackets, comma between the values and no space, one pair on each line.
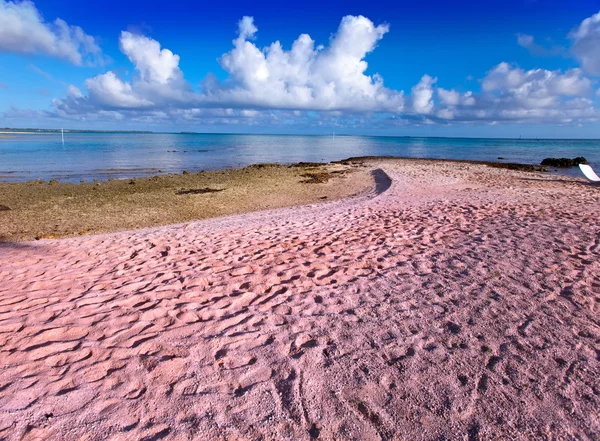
[46,210]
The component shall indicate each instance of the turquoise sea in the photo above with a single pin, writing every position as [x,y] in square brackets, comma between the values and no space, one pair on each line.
[102,156]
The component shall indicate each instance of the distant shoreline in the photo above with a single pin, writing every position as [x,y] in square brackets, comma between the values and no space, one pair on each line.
[30,131]
[154,173]
[55,131]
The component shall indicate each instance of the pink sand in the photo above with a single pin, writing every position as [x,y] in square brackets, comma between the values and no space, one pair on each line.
[461,303]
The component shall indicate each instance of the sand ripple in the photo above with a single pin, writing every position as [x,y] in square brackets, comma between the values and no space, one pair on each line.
[461,303]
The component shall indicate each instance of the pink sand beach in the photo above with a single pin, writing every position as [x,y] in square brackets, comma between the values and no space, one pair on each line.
[455,301]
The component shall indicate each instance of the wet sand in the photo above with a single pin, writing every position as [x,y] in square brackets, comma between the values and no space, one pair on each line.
[453,301]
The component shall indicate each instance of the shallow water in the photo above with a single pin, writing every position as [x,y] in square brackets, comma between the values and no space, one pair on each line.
[127,155]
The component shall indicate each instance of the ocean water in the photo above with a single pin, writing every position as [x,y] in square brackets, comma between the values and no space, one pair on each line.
[102,156]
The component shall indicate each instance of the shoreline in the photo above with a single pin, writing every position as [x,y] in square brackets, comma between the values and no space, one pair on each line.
[496,164]
[35,210]
[506,165]
[156,172]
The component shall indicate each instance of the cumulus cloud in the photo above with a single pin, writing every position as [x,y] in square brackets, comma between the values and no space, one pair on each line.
[110,91]
[450,101]
[510,93]
[154,64]
[24,31]
[319,85]
[449,97]
[422,94]
[158,82]
[538,83]
[307,77]
[586,44]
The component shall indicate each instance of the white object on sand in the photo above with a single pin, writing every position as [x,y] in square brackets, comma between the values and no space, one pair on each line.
[589,172]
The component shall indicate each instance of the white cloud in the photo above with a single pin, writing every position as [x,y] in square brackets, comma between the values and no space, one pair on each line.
[246,28]
[307,77]
[503,76]
[536,83]
[449,97]
[318,85]
[513,94]
[526,41]
[302,78]
[154,65]
[451,100]
[159,81]
[249,113]
[24,31]
[586,44]
[74,92]
[422,95]
[110,91]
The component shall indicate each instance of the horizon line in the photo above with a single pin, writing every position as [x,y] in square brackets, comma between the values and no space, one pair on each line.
[16,130]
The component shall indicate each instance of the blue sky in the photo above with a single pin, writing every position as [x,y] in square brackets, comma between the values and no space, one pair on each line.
[478,68]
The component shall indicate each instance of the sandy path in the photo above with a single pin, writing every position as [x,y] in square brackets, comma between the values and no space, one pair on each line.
[461,303]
